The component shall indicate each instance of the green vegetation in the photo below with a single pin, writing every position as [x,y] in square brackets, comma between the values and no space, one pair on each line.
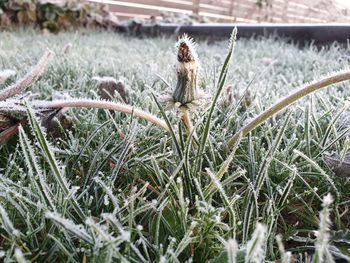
[115,188]
[54,15]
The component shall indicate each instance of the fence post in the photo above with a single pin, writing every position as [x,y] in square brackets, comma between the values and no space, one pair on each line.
[195,6]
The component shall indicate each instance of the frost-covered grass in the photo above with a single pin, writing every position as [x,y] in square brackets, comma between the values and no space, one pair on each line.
[118,189]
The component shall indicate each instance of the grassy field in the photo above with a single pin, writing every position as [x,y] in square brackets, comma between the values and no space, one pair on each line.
[135,193]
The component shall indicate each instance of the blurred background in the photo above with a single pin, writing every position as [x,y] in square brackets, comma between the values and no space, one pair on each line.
[238,11]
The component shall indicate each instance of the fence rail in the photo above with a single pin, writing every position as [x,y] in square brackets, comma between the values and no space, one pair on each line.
[247,11]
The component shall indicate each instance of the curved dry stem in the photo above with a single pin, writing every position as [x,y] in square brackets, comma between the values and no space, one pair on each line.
[186,119]
[88,103]
[28,79]
[290,99]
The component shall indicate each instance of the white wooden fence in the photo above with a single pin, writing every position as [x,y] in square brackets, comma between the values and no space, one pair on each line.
[246,11]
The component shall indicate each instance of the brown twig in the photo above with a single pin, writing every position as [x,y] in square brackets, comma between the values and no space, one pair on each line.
[28,79]
[88,103]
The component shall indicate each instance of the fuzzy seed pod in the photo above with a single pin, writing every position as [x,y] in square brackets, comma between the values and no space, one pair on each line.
[186,88]
[186,95]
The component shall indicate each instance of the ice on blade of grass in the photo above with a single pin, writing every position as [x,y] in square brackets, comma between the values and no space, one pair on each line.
[285,256]
[231,248]
[186,240]
[327,200]
[322,253]
[256,245]
[19,256]
[217,219]
[7,224]
[54,164]
[70,226]
[106,200]
[109,193]
[101,231]
[125,235]
[163,259]
[34,170]
[215,180]
[5,74]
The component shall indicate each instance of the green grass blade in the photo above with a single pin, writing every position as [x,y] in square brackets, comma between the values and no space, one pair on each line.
[220,86]
[50,158]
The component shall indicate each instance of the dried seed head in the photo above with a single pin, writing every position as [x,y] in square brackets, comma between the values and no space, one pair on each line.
[186,51]
[186,93]
[186,88]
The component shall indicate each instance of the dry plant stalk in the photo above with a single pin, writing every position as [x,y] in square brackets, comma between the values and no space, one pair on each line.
[89,103]
[13,113]
[186,96]
[290,99]
[28,79]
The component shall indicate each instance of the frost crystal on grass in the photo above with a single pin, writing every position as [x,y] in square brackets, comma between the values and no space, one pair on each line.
[285,256]
[69,225]
[256,245]
[5,74]
[125,236]
[231,248]
[322,243]
[6,223]
[106,200]
[19,256]
[327,200]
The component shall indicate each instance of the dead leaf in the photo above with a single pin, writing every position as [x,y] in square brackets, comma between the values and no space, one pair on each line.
[107,86]
[56,123]
[340,167]
[6,122]
[7,134]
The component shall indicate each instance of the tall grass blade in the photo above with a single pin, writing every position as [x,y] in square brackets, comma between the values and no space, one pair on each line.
[220,86]
[77,230]
[50,158]
[34,170]
[7,224]
[322,253]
